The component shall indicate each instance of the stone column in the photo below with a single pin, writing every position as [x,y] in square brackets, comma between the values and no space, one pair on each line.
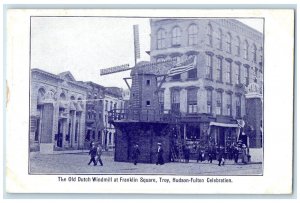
[46,144]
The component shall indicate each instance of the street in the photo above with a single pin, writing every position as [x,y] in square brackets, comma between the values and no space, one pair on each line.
[76,163]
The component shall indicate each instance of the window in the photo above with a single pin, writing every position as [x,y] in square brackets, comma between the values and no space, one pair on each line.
[238,106]
[228,72]
[254,49]
[176,36]
[192,36]
[256,74]
[209,101]
[219,103]
[111,105]
[76,132]
[228,42]
[115,106]
[246,50]
[161,39]
[261,55]
[246,75]
[148,103]
[229,103]
[209,35]
[93,135]
[219,69]
[148,83]
[109,138]
[175,100]
[37,130]
[69,132]
[209,67]
[161,101]
[192,74]
[106,105]
[238,73]
[178,60]
[219,39]
[192,100]
[99,136]
[238,46]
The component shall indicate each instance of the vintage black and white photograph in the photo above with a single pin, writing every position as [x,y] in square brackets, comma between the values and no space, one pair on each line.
[125,95]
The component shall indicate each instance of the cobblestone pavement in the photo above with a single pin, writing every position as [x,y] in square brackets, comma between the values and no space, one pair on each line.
[77,164]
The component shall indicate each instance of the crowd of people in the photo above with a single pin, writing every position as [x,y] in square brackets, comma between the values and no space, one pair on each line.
[219,153]
[234,152]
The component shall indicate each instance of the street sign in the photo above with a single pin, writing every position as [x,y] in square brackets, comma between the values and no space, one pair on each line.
[115,69]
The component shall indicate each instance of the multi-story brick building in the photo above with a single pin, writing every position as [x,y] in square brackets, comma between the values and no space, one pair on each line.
[94,113]
[57,112]
[212,97]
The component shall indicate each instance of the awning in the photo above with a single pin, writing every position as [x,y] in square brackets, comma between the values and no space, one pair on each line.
[228,125]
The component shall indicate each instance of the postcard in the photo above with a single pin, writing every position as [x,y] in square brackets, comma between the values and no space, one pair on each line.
[149,101]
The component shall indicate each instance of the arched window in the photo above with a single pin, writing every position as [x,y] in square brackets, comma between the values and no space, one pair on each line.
[238,46]
[228,42]
[176,36]
[254,50]
[219,39]
[192,34]
[161,39]
[209,35]
[246,50]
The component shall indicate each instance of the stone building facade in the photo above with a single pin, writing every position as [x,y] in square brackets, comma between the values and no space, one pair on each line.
[212,97]
[57,112]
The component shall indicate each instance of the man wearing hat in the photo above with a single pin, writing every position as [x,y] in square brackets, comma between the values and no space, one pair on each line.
[93,153]
[135,154]
[160,151]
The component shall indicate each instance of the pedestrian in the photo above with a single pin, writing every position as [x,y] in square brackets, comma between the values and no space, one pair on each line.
[221,157]
[93,153]
[98,155]
[187,154]
[135,154]
[236,154]
[244,154]
[160,151]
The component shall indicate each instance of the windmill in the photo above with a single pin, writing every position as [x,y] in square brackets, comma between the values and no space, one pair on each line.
[143,123]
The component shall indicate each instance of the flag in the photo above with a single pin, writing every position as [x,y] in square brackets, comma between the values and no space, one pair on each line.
[137,52]
[185,66]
